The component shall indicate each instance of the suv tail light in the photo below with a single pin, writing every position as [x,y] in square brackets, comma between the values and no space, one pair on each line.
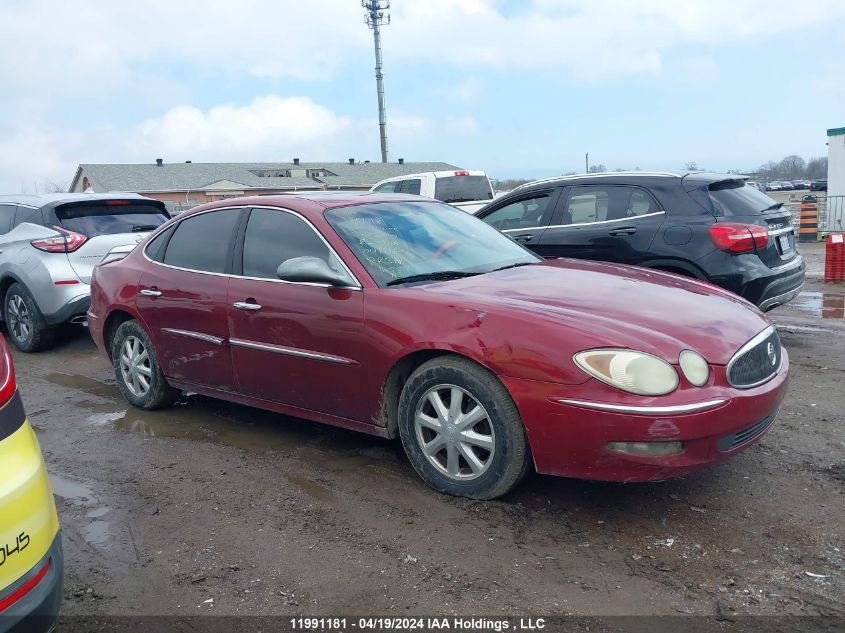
[7,374]
[65,243]
[739,238]
[462,173]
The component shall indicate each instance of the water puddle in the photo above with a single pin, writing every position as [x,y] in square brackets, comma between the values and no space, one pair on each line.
[83,383]
[96,532]
[820,304]
[312,488]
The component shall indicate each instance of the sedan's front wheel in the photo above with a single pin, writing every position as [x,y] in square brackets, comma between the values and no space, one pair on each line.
[461,429]
[136,368]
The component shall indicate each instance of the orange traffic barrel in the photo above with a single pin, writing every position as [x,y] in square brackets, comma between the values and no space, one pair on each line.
[808,226]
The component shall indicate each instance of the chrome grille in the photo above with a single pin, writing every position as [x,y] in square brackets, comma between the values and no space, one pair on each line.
[735,440]
[757,361]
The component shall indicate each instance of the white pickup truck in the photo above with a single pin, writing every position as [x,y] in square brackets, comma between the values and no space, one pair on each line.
[466,190]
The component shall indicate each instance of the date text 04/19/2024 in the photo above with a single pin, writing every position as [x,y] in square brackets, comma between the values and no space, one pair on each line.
[466,624]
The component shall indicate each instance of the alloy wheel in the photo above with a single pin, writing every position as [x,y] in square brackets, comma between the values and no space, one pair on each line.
[20,321]
[135,366]
[454,432]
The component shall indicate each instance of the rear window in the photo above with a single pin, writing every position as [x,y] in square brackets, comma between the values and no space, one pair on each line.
[108,219]
[734,197]
[463,188]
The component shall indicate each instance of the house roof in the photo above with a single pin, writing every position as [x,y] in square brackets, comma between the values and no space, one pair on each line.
[202,176]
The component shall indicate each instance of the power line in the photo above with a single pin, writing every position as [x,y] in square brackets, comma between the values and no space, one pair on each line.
[377,16]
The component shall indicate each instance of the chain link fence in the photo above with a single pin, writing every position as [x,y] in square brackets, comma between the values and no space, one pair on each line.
[831,213]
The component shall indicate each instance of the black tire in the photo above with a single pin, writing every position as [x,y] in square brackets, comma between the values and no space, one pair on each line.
[149,389]
[502,468]
[28,329]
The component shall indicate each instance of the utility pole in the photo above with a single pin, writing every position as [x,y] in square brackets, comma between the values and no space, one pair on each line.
[377,15]
[587,163]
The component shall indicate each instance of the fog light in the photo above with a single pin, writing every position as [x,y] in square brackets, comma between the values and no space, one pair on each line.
[647,449]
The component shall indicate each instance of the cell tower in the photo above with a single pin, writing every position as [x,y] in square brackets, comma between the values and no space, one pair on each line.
[377,16]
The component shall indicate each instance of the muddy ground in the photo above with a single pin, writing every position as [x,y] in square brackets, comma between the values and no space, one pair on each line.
[218,508]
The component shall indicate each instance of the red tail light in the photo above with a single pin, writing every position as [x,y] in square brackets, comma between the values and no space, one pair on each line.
[115,203]
[7,373]
[739,238]
[462,173]
[25,588]
[65,243]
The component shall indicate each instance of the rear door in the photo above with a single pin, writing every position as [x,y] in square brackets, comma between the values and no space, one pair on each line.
[106,224]
[613,223]
[735,201]
[182,297]
[524,217]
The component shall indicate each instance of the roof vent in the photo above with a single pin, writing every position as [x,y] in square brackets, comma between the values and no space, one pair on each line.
[188,162]
[366,162]
[401,161]
[351,161]
[159,161]
[296,161]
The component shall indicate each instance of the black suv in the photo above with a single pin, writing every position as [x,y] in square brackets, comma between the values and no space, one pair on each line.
[712,227]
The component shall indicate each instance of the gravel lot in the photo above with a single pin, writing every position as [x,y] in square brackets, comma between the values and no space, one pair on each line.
[218,508]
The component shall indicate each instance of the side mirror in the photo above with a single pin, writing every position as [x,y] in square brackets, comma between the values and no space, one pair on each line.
[310,270]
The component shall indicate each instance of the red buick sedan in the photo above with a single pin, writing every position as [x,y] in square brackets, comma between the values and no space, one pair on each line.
[401,316]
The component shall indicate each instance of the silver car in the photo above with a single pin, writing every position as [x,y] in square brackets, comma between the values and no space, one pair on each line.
[50,243]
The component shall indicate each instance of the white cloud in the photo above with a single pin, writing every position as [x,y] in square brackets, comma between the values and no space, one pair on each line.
[463,125]
[269,123]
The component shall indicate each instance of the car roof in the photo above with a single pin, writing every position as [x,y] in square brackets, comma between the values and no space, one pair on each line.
[312,201]
[691,177]
[42,199]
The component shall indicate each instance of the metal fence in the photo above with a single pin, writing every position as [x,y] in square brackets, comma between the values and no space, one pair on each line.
[831,213]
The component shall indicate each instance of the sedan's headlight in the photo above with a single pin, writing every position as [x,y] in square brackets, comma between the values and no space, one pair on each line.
[634,372]
[695,368]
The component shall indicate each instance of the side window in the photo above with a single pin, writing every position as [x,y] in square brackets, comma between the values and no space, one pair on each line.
[597,204]
[155,249]
[202,242]
[640,203]
[274,236]
[7,216]
[522,214]
[28,214]
[410,186]
[388,187]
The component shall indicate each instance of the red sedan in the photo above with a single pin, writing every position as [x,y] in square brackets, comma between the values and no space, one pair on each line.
[400,316]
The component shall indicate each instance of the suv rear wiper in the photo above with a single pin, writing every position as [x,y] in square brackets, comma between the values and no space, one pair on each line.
[440,275]
[144,227]
[776,205]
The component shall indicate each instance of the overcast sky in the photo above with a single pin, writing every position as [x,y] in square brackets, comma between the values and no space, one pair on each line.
[518,88]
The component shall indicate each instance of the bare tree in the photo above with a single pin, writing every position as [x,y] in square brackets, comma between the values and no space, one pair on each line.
[792,166]
[50,186]
[817,167]
[597,169]
[691,166]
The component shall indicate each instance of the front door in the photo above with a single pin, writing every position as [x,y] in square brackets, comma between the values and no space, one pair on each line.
[524,218]
[298,344]
[183,295]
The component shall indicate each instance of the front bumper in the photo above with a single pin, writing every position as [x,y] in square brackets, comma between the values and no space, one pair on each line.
[37,610]
[571,440]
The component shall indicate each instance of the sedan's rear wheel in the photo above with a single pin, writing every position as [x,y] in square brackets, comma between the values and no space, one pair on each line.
[461,430]
[136,369]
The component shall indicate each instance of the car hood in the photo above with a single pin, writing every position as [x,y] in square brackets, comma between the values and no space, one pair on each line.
[609,305]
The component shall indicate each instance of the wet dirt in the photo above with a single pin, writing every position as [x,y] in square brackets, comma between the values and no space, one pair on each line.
[266,514]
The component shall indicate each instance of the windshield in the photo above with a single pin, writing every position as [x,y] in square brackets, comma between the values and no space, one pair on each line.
[394,240]
[734,197]
[92,220]
[463,188]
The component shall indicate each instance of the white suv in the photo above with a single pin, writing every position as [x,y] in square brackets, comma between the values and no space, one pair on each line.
[49,244]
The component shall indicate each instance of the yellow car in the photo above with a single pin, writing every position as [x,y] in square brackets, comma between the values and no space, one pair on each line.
[31,562]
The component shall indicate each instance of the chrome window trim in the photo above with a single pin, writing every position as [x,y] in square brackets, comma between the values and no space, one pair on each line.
[208,338]
[569,226]
[292,351]
[754,342]
[646,410]
[278,281]
[615,174]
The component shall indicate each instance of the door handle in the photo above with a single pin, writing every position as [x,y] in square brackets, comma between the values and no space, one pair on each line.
[147,292]
[628,230]
[525,237]
[243,305]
